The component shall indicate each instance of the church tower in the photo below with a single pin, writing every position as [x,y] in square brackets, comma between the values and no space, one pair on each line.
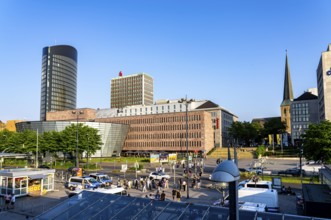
[285,107]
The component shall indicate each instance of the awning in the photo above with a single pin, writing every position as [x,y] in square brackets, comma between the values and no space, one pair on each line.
[37,176]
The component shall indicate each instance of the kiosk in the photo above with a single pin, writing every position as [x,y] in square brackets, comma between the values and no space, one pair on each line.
[26,181]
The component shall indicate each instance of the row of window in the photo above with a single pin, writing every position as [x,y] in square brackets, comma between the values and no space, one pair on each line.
[162,144]
[159,120]
[302,126]
[297,119]
[300,112]
[165,127]
[164,136]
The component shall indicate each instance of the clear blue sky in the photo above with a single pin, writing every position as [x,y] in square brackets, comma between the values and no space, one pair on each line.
[230,52]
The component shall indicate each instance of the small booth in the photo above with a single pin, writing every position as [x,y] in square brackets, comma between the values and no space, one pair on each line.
[26,181]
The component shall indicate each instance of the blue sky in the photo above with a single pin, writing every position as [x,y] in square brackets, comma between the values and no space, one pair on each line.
[230,52]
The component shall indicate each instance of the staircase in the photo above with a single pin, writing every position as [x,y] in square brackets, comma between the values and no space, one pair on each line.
[243,153]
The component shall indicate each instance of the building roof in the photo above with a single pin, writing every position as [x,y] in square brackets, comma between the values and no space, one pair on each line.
[208,104]
[288,90]
[96,205]
[316,193]
[306,96]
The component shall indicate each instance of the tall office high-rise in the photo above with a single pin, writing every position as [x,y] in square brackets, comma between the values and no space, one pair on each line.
[285,107]
[58,79]
[324,85]
[136,89]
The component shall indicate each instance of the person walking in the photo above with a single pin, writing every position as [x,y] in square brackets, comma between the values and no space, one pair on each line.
[12,201]
[180,183]
[7,201]
[144,186]
[174,191]
[166,184]
[178,195]
[184,185]
[162,196]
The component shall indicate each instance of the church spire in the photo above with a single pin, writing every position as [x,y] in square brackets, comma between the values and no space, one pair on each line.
[288,91]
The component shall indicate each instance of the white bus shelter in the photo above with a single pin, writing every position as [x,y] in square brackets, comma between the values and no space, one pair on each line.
[26,181]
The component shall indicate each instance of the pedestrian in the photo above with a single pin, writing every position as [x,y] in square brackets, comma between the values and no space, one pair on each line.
[162,196]
[149,185]
[184,185]
[157,195]
[174,191]
[7,201]
[12,200]
[144,189]
[153,184]
[178,195]
[166,184]
[180,183]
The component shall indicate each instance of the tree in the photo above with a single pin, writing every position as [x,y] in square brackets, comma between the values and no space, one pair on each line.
[317,142]
[245,132]
[274,126]
[88,139]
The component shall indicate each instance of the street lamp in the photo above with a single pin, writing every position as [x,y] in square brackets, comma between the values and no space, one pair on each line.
[77,113]
[186,102]
[300,153]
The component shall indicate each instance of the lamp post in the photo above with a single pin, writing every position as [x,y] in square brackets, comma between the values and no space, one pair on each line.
[37,151]
[186,102]
[300,153]
[77,113]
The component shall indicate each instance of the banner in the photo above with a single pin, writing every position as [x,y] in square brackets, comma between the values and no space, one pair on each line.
[154,158]
[270,139]
[172,157]
[279,138]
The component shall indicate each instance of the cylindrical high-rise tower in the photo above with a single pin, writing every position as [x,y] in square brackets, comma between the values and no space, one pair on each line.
[58,79]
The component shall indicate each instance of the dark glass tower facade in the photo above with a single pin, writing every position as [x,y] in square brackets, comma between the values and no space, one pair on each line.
[58,79]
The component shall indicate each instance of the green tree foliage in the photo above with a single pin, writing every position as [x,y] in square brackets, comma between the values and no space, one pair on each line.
[245,132]
[65,141]
[317,142]
[273,126]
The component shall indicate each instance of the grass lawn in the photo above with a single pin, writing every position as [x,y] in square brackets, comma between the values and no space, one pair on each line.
[290,179]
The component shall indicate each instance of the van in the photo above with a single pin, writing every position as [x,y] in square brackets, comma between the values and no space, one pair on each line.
[260,195]
[102,178]
[82,183]
[259,184]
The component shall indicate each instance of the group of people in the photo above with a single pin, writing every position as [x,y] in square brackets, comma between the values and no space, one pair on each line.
[287,190]
[157,196]
[196,183]
[10,200]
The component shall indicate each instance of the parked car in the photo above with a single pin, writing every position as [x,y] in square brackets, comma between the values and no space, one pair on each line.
[292,172]
[85,182]
[44,167]
[158,175]
[102,178]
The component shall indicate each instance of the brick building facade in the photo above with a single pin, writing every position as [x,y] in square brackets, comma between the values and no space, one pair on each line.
[167,132]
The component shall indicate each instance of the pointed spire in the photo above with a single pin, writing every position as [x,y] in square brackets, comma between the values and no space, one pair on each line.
[288,90]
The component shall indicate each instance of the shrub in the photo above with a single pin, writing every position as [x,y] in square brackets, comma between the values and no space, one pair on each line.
[260,151]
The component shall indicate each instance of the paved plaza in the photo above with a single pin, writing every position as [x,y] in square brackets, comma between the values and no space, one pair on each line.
[29,207]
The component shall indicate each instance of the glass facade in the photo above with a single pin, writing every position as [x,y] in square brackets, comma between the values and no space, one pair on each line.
[112,135]
[58,79]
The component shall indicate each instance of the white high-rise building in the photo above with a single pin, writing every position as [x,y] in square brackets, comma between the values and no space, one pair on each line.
[324,85]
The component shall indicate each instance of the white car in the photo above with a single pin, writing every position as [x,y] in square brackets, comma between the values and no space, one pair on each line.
[158,175]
